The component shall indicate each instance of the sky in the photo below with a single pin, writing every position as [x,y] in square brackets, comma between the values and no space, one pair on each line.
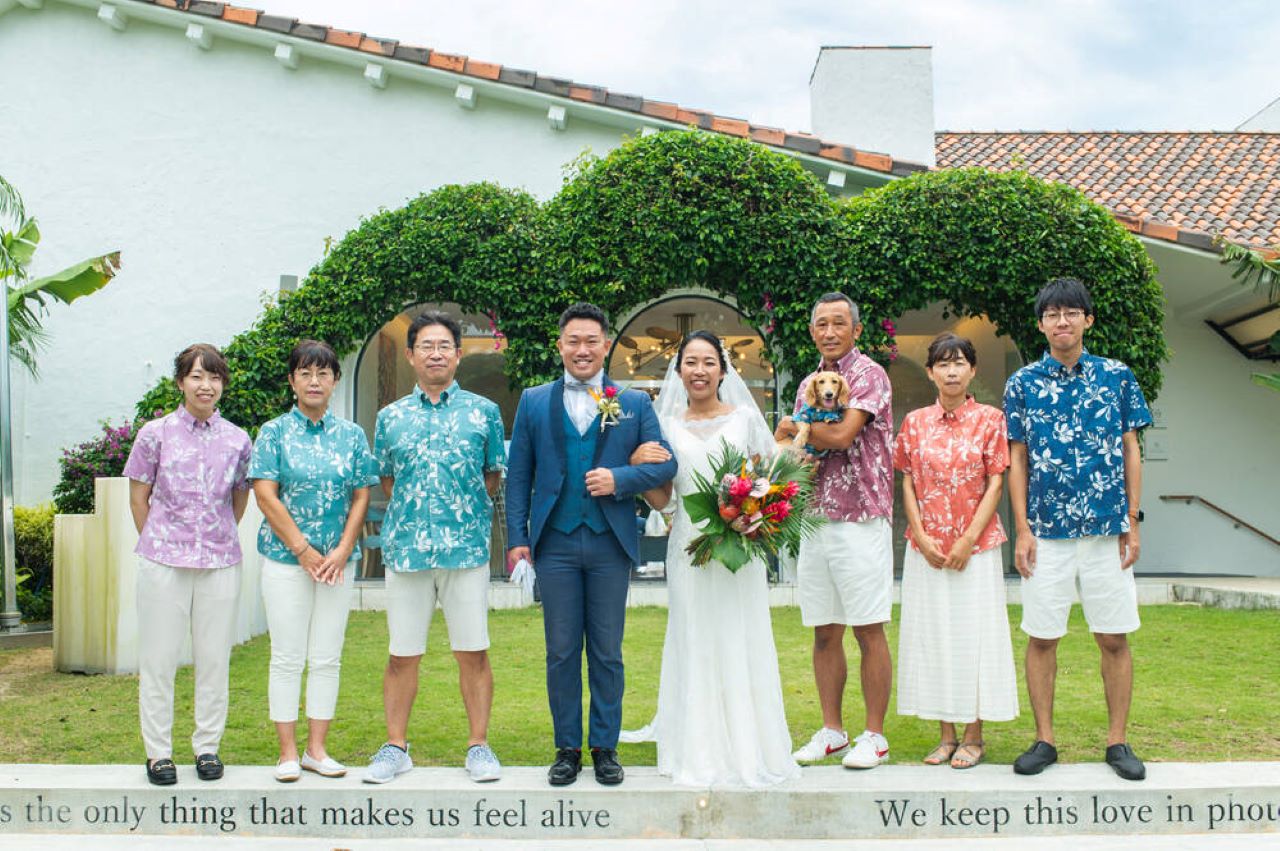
[997,64]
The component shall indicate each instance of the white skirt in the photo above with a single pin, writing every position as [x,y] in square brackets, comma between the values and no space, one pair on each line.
[955,654]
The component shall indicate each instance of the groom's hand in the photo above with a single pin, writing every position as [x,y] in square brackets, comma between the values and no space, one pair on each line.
[600,481]
[515,554]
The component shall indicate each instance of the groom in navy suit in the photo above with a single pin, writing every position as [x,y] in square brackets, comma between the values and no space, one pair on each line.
[571,511]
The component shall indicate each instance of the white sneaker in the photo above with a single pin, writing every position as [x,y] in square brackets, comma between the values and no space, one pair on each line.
[387,764]
[482,764]
[288,771]
[869,750]
[826,742]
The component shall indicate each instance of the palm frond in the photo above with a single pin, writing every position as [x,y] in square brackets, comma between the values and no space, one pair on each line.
[11,201]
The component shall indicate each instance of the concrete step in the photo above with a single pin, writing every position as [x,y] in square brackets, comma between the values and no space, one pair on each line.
[893,802]
[1187,842]
[1230,593]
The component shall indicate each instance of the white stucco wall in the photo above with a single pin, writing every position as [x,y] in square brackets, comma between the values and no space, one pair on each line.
[1220,441]
[214,172]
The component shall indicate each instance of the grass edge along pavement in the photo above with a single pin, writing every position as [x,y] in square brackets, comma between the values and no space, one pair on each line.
[1205,691]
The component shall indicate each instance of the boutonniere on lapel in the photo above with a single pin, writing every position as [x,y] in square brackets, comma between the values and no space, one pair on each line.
[607,405]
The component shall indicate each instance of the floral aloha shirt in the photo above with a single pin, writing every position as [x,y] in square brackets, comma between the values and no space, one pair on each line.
[440,514]
[856,484]
[950,455]
[318,467]
[192,467]
[1073,422]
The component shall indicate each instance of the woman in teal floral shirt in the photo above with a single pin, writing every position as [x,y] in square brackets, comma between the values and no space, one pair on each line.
[311,474]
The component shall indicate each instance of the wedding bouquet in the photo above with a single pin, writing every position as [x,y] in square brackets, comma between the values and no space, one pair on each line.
[752,507]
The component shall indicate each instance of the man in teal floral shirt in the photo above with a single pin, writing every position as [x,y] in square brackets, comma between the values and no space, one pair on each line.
[440,454]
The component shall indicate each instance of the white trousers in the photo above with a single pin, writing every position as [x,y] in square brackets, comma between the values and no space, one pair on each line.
[308,622]
[172,603]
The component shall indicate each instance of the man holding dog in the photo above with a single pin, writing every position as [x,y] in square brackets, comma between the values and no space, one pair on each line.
[845,570]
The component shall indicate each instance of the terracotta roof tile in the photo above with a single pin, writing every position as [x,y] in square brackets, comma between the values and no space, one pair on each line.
[517,77]
[447,61]
[589,94]
[236,15]
[380,46]
[484,70]
[344,38]
[730,126]
[879,162]
[275,23]
[556,86]
[212,10]
[409,53]
[619,100]
[313,32]
[768,135]
[552,85]
[660,109]
[1178,186]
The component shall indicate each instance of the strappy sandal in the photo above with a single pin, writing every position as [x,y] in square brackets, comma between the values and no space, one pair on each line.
[961,758]
[942,753]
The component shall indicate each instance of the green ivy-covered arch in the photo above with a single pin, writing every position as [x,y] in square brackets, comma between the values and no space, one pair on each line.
[693,209]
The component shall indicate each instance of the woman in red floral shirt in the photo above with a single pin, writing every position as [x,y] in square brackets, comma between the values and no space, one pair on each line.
[955,656]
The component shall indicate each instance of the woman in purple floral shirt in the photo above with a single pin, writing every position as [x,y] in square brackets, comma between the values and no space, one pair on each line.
[188,492]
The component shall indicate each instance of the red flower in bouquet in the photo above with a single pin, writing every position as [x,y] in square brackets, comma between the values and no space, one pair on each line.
[778,511]
[789,490]
[740,489]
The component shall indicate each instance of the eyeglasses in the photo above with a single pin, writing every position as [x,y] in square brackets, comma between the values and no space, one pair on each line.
[1069,315]
[442,348]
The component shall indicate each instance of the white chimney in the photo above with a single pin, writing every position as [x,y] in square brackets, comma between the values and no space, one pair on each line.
[875,99]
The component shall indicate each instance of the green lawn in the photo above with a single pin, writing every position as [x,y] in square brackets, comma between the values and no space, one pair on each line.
[1207,689]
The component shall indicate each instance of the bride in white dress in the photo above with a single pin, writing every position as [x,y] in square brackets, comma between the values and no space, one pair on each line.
[720,718]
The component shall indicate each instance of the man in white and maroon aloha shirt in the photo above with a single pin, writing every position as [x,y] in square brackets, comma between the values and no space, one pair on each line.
[845,571]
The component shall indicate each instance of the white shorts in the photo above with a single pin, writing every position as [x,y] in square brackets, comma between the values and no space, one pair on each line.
[844,574]
[1089,566]
[411,601]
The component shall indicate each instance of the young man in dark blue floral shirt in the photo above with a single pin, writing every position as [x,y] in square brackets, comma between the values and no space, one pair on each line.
[1075,484]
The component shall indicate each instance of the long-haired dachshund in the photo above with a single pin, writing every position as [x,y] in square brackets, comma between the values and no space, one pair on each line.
[825,397]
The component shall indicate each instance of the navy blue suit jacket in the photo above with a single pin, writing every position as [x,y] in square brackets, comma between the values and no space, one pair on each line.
[536,464]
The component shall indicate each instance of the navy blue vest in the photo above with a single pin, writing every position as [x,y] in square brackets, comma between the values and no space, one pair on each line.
[575,506]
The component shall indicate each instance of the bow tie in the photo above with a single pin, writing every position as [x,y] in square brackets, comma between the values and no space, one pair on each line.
[575,384]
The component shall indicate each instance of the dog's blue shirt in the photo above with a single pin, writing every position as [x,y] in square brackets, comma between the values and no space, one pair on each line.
[810,414]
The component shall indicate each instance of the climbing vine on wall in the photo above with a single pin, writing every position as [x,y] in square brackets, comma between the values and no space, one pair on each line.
[692,209]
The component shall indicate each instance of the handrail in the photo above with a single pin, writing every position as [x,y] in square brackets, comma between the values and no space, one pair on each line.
[1190,498]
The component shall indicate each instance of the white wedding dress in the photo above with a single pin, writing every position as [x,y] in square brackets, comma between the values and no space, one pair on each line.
[720,718]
